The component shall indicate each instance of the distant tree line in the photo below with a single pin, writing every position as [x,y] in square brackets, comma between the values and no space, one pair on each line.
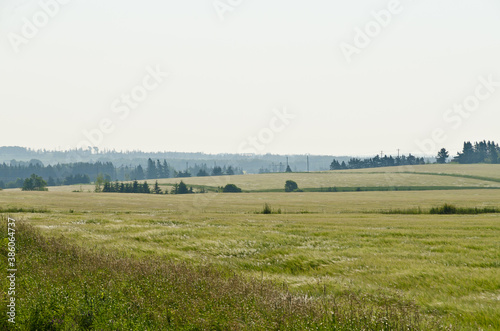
[203,170]
[13,175]
[377,161]
[479,152]
[136,187]
[133,187]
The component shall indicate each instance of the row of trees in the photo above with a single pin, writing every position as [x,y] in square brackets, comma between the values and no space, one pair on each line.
[377,161]
[11,175]
[157,169]
[117,187]
[479,152]
[203,171]
[136,187]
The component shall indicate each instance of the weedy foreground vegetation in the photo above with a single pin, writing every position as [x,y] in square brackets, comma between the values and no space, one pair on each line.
[332,261]
[71,288]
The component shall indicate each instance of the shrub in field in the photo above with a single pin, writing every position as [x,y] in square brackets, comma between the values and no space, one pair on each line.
[231,188]
[444,209]
[267,209]
[291,186]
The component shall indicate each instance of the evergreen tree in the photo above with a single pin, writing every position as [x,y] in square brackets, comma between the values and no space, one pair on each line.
[159,169]
[180,188]
[157,189]
[139,173]
[135,187]
[151,171]
[442,156]
[166,170]
[217,171]
[202,173]
[145,188]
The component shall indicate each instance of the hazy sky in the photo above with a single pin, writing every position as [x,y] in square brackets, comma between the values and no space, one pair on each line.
[280,76]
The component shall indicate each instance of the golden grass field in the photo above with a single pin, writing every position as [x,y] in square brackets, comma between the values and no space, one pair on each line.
[448,264]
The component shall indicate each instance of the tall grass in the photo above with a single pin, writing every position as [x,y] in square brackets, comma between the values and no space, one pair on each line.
[62,287]
[445,209]
[23,210]
[448,209]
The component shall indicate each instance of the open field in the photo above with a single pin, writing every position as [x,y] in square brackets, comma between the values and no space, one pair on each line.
[320,243]
[478,170]
[423,176]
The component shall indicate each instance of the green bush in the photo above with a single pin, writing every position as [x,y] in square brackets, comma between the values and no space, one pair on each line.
[231,188]
[291,186]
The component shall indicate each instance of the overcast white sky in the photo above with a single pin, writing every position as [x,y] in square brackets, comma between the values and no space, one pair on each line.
[227,76]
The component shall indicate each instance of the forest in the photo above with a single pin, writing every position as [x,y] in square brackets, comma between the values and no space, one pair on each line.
[14,174]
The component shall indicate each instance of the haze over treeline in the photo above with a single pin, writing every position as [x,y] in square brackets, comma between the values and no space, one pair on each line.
[178,160]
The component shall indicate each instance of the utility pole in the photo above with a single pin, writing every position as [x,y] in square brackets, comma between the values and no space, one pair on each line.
[398,153]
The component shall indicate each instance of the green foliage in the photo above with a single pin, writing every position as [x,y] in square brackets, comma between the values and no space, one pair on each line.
[23,210]
[445,209]
[442,156]
[268,210]
[181,188]
[69,288]
[376,162]
[99,182]
[448,209]
[291,186]
[34,183]
[157,189]
[231,188]
[479,152]
[202,173]
[217,171]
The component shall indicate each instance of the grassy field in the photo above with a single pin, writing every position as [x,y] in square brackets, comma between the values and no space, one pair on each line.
[320,245]
[459,176]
